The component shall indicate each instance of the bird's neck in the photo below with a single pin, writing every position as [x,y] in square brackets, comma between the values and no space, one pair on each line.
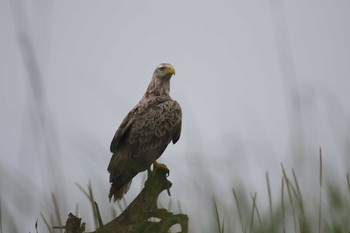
[158,88]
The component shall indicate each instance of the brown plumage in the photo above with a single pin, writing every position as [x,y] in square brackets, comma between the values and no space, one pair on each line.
[145,132]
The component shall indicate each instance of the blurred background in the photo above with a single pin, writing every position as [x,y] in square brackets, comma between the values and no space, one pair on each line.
[260,83]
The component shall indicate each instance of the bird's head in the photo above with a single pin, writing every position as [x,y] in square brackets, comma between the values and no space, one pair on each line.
[160,83]
[164,71]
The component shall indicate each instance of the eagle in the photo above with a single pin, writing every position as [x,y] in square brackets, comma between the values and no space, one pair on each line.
[145,132]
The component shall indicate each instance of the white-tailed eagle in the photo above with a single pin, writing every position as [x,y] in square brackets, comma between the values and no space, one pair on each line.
[145,132]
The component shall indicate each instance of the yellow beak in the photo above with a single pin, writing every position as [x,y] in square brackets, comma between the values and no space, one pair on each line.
[171,70]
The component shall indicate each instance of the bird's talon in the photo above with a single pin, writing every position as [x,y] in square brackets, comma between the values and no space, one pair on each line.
[168,190]
[162,167]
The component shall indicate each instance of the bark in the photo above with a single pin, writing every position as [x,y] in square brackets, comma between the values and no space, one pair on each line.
[136,218]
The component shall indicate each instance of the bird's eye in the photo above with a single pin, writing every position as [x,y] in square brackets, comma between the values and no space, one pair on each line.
[162,68]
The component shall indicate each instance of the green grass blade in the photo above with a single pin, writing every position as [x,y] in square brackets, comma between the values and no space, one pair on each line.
[252,213]
[238,209]
[288,185]
[299,196]
[90,196]
[217,217]
[99,218]
[270,201]
[57,211]
[348,181]
[320,197]
[0,218]
[179,207]
[114,213]
[76,211]
[258,215]
[170,204]
[93,206]
[303,221]
[283,207]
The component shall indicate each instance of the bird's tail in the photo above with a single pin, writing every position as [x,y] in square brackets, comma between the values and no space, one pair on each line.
[120,185]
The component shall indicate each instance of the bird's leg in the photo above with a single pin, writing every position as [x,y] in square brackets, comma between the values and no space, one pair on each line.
[161,166]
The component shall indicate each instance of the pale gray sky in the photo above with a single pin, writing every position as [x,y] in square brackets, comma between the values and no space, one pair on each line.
[259,82]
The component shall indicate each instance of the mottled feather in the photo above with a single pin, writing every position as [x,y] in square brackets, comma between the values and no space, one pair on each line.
[144,133]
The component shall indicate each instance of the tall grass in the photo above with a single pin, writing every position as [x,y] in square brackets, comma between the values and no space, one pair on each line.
[288,211]
[328,214]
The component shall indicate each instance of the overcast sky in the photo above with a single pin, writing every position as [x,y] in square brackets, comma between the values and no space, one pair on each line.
[259,82]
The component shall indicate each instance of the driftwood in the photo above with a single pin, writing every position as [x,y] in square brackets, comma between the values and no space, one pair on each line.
[136,218]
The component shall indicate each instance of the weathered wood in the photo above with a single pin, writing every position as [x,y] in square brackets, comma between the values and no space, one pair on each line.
[136,217]
[73,225]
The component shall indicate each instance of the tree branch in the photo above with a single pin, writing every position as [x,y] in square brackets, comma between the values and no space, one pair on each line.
[136,217]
